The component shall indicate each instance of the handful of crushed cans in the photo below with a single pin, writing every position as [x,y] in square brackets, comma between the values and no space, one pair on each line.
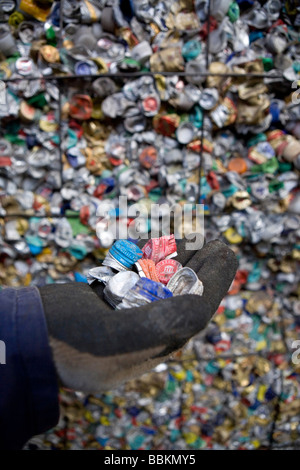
[156,277]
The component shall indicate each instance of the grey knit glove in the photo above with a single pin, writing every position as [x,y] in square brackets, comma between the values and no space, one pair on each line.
[96,348]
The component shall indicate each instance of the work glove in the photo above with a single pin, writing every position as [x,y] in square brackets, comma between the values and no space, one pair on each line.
[96,348]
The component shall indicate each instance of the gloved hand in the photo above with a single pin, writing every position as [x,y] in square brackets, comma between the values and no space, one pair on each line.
[95,348]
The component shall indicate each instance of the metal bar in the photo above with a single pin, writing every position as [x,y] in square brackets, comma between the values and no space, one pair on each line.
[208,34]
[60,136]
[60,101]
[201,158]
[61,22]
[142,74]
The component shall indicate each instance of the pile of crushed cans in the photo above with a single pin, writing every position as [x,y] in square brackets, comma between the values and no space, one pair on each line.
[162,102]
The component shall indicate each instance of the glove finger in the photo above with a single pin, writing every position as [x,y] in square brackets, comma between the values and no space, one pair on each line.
[77,317]
[168,323]
[216,266]
[184,255]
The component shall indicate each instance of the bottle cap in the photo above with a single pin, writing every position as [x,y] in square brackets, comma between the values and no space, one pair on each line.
[166,269]
[148,157]
[50,54]
[238,165]
[185,281]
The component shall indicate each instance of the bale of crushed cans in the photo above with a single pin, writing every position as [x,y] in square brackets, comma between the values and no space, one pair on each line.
[162,102]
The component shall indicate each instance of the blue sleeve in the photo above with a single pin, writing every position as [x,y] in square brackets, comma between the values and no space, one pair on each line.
[28,381]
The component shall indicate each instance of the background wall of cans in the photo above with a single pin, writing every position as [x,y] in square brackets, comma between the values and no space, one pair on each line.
[162,102]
